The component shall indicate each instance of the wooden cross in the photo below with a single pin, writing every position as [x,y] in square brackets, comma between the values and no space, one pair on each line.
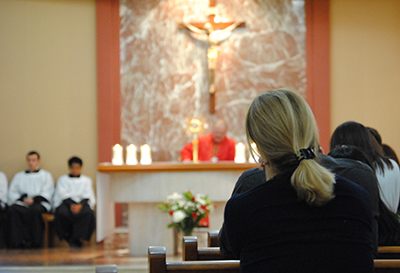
[210,28]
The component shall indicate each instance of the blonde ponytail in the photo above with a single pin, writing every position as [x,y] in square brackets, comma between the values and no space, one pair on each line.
[313,183]
[282,125]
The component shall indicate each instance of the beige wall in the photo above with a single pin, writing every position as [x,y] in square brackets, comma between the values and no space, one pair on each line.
[48,84]
[365,65]
[48,77]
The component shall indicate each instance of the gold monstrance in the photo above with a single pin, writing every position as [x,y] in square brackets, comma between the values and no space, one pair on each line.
[195,126]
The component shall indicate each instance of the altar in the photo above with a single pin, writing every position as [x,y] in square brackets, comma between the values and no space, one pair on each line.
[144,187]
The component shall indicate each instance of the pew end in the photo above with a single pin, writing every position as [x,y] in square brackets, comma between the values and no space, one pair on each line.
[158,264]
[212,239]
[191,252]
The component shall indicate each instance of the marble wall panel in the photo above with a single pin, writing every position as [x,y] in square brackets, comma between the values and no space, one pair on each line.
[164,70]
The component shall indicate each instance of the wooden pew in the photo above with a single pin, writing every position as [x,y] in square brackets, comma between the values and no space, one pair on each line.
[158,264]
[389,252]
[190,251]
[387,266]
[212,238]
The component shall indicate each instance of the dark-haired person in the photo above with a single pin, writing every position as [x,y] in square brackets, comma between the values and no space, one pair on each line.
[303,218]
[3,207]
[389,152]
[385,149]
[388,223]
[74,202]
[352,133]
[3,191]
[29,195]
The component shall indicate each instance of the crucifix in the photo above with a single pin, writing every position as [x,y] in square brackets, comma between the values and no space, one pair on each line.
[216,33]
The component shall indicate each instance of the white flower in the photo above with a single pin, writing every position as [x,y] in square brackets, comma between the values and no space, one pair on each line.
[182,203]
[174,197]
[200,199]
[178,216]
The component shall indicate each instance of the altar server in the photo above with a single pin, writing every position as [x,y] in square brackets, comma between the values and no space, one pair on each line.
[30,195]
[74,202]
[3,206]
[3,191]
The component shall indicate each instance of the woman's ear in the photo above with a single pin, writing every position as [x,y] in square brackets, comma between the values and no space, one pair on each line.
[262,163]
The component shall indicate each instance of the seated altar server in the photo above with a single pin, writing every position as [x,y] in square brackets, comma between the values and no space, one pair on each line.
[74,202]
[29,196]
[3,206]
[213,146]
[3,191]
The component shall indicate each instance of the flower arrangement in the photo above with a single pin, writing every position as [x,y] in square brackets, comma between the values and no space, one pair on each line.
[186,210]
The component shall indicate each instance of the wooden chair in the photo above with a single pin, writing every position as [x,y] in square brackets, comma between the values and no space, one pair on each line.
[48,230]
[190,251]
[212,239]
[389,252]
[387,266]
[158,264]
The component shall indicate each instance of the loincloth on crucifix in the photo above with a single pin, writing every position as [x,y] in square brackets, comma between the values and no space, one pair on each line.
[216,33]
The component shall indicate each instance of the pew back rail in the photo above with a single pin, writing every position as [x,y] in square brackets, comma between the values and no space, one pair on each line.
[158,264]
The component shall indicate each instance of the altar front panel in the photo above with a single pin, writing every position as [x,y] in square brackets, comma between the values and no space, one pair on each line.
[145,189]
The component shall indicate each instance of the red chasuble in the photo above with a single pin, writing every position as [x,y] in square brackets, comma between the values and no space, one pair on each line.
[225,149]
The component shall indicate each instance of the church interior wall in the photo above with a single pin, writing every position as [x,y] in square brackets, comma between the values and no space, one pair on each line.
[48,77]
[365,57]
[48,84]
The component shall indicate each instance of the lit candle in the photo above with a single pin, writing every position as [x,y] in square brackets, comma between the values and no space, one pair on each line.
[145,154]
[131,158]
[251,159]
[239,153]
[117,155]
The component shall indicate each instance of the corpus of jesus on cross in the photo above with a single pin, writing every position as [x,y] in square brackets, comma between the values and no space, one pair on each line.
[216,33]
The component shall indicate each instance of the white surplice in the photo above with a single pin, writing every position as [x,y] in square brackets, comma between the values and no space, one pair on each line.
[76,188]
[33,184]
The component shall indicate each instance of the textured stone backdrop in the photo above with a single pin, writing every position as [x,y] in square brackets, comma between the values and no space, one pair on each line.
[164,76]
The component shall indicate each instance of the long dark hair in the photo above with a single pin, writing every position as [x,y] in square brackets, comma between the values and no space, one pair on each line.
[388,223]
[355,134]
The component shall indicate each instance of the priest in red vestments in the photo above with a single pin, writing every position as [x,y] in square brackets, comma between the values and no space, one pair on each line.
[213,146]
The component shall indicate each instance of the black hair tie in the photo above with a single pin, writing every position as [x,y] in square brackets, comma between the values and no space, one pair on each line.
[306,154]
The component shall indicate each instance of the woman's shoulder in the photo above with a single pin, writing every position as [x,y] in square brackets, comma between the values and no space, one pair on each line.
[275,188]
[345,187]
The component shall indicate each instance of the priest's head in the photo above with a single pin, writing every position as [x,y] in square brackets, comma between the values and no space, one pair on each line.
[219,131]
[33,159]
[75,166]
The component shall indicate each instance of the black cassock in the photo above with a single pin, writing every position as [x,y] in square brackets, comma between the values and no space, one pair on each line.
[70,226]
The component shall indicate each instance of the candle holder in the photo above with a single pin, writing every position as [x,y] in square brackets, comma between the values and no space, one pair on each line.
[145,154]
[131,158]
[255,154]
[240,153]
[117,158]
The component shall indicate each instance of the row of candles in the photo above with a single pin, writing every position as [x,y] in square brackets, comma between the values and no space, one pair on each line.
[145,154]
[131,155]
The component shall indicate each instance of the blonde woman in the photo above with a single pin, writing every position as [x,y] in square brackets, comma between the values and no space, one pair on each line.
[302,219]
